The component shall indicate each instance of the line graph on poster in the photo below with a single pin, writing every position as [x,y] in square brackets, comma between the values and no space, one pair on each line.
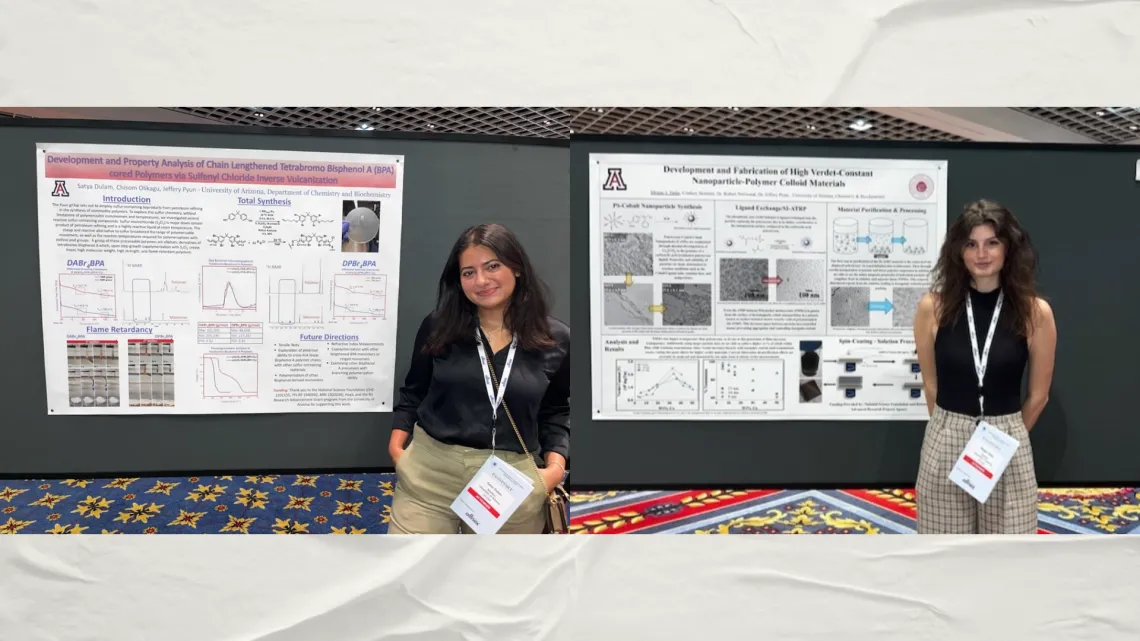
[229,289]
[229,375]
[154,295]
[743,385]
[658,384]
[87,297]
[360,296]
[296,292]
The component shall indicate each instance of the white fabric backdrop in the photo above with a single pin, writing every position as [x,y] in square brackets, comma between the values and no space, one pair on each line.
[890,53]
[305,588]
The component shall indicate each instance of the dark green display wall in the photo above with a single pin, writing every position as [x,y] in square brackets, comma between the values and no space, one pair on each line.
[450,184]
[1082,208]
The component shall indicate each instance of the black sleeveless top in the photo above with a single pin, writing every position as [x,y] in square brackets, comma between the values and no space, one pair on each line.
[954,362]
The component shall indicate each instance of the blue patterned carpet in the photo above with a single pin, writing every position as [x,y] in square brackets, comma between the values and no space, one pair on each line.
[314,504]
[361,504]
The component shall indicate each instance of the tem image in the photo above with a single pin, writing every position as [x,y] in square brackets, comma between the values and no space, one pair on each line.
[801,280]
[687,304]
[850,306]
[905,304]
[627,254]
[742,279]
[628,306]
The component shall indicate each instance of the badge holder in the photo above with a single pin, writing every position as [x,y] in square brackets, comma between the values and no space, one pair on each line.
[556,505]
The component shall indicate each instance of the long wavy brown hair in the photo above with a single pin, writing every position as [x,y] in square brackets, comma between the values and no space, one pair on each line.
[526,313]
[1018,273]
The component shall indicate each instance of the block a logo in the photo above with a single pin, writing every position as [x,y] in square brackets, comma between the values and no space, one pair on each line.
[60,190]
[614,181]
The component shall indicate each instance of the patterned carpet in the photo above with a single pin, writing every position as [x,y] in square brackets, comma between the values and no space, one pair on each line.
[1061,511]
[361,504]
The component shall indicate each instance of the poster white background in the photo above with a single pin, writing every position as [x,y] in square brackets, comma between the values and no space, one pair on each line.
[753,287]
[179,280]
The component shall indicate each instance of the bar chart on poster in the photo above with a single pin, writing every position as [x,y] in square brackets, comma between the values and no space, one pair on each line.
[751,288]
[184,280]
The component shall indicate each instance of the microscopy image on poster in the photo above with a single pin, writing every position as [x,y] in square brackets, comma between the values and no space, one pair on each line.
[751,288]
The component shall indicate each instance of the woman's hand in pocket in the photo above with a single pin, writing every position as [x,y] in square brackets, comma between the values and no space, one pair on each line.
[551,477]
[397,444]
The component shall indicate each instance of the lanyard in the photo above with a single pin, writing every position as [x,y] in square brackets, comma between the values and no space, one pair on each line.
[982,359]
[496,399]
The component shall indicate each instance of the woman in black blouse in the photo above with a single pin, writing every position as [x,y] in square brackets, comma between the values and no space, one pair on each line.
[489,290]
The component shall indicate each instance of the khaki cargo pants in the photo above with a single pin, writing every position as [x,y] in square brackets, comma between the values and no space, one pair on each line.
[429,476]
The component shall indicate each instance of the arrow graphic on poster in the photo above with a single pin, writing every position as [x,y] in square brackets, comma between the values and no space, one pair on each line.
[880,306]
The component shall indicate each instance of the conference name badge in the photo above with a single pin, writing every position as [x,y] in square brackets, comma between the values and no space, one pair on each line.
[492,496]
[983,461]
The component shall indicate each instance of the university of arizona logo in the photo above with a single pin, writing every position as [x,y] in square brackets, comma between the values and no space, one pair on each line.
[614,181]
[60,190]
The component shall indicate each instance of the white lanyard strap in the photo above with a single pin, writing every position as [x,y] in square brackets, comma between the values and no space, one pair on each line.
[496,399]
[981,359]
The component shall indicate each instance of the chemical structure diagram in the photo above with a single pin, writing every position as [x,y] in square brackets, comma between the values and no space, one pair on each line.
[745,242]
[238,217]
[636,221]
[615,221]
[246,216]
[297,218]
[307,219]
[304,240]
[225,240]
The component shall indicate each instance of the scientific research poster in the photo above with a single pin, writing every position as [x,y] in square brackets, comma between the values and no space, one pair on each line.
[195,281]
[753,288]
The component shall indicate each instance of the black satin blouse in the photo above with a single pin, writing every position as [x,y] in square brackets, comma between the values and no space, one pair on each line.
[447,396]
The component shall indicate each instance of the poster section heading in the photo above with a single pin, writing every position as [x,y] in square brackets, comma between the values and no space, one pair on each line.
[760,288]
[218,281]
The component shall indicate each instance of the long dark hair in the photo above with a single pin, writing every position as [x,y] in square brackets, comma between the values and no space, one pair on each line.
[952,279]
[455,315]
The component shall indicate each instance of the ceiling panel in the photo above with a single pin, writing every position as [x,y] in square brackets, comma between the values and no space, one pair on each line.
[757,122]
[540,122]
[559,123]
[1109,125]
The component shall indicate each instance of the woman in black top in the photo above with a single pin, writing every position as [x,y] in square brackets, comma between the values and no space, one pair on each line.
[986,268]
[488,293]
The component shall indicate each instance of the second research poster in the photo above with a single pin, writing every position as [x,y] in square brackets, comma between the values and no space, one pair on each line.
[752,288]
